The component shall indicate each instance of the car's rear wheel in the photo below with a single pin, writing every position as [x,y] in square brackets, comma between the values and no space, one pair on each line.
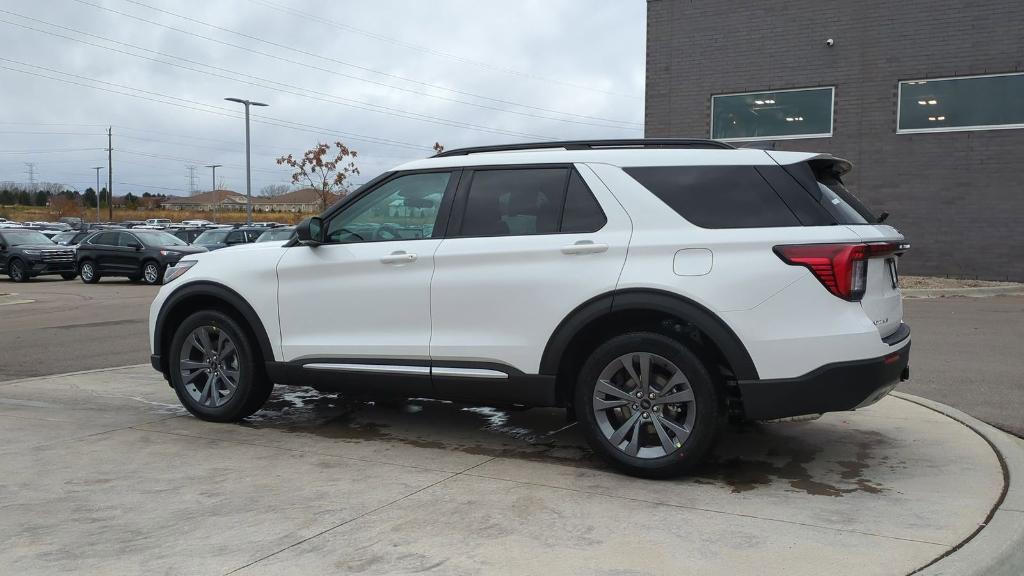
[88,272]
[16,270]
[648,405]
[68,275]
[151,273]
[215,369]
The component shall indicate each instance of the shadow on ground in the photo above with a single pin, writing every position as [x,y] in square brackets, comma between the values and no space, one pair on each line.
[748,457]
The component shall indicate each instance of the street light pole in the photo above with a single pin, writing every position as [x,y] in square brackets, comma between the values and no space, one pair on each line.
[213,188]
[97,169]
[248,171]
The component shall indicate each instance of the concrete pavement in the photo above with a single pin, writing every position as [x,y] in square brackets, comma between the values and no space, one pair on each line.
[102,472]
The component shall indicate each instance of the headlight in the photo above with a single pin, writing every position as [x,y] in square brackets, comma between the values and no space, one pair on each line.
[174,272]
[31,252]
[169,253]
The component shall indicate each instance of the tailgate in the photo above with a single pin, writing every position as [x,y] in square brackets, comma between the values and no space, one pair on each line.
[882,300]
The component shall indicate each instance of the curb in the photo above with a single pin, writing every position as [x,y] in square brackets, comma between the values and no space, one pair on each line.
[49,376]
[982,292]
[997,547]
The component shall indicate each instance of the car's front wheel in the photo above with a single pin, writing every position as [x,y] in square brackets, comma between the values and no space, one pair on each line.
[648,405]
[214,368]
[152,273]
[16,270]
[88,272]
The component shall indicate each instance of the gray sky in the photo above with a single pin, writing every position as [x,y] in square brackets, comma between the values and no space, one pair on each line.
[387,77]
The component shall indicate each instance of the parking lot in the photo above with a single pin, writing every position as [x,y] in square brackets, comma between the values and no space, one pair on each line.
[104,472]
[965,349]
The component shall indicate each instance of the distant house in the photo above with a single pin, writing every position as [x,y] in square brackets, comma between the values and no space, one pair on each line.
[305,200]
[226,200]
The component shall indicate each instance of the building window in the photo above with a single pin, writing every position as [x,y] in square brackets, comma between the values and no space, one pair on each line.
[778,115]
[968,103]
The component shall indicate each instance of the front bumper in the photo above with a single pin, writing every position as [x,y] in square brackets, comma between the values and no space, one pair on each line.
[38,268]
[831,388]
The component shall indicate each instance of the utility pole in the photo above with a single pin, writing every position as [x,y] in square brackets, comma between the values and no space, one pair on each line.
[213,187]
[248,171]
[97,169]
[110,175]
[192,180]
[31,175]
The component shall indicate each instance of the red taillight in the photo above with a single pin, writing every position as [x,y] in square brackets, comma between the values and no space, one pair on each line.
[841,268]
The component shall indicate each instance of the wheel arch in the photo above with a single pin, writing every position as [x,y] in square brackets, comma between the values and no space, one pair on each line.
[203,295]
[631,309]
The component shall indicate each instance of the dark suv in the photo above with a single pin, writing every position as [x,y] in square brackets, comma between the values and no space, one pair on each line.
[136,254]
[217,238]
[28,253]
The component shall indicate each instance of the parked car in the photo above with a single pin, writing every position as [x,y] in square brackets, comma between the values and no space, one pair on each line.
[25,254]
[196,223]
[70,238]
[161,222]
[653,288]
[135,254]
[265,224]
[277,234]
[217,238]
[73,221]
[132,223]
[189,235]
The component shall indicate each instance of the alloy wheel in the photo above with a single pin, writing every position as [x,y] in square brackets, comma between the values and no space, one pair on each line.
[87,272]
[209,366]
[17,271]
[644,405]
[151,273]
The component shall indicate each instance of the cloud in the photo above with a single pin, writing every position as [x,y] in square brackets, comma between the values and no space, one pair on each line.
[388,78]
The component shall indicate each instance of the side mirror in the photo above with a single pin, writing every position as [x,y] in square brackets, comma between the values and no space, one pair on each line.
[310,232]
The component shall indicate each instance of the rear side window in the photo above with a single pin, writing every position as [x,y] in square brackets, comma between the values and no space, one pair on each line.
[717,196]
[582,212]
[105,239]
[514,202]
[820,179]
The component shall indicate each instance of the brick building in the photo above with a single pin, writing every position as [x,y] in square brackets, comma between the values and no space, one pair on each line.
[926,98]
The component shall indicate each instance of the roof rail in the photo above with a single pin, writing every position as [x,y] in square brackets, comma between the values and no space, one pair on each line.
[591,145]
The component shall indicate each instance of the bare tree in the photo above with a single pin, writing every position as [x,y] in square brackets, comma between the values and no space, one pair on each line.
[326,176]
[274,189]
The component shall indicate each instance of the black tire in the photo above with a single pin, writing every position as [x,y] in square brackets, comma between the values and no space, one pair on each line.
[69,275]
[152,273]
[88,272]
[252,388]
[707,407]
[16,270]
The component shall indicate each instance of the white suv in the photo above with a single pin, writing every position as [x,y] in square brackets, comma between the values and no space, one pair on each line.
[654,288]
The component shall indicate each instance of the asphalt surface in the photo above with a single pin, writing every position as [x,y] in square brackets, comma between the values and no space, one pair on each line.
[967,352]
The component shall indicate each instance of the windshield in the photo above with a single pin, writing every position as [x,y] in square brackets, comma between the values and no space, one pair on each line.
[276,234]
[211,237]
[157,239]
[25,237]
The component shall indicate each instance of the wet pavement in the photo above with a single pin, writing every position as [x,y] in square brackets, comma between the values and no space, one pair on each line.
[104,472]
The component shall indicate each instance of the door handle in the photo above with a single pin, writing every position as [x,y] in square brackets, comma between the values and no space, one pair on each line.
[398,257]
[584,247]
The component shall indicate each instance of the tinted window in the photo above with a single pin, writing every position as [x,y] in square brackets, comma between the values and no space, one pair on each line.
[717,196]
[962,103]
[582,212]
[514,202]
[401,209]
[105,239]
[825,186]
[127,240]
[767,115]
[211,237]
[235,236]
[157,239]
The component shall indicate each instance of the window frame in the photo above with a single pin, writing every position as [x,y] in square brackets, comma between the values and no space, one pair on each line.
[899,106]
[831,116]
[443,212]
[462,197]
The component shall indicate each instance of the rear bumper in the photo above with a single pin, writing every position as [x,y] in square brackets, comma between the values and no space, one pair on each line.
[831,388]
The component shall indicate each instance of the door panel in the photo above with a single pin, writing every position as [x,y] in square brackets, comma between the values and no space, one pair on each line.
[366,293]
[498,299]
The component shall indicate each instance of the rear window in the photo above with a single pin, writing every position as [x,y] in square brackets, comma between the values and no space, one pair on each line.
[821,179]
[717,196]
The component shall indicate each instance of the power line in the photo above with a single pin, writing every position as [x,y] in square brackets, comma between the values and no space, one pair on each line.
[49,150]
[428,50]
[356,66]
[281,87]
[207,108]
